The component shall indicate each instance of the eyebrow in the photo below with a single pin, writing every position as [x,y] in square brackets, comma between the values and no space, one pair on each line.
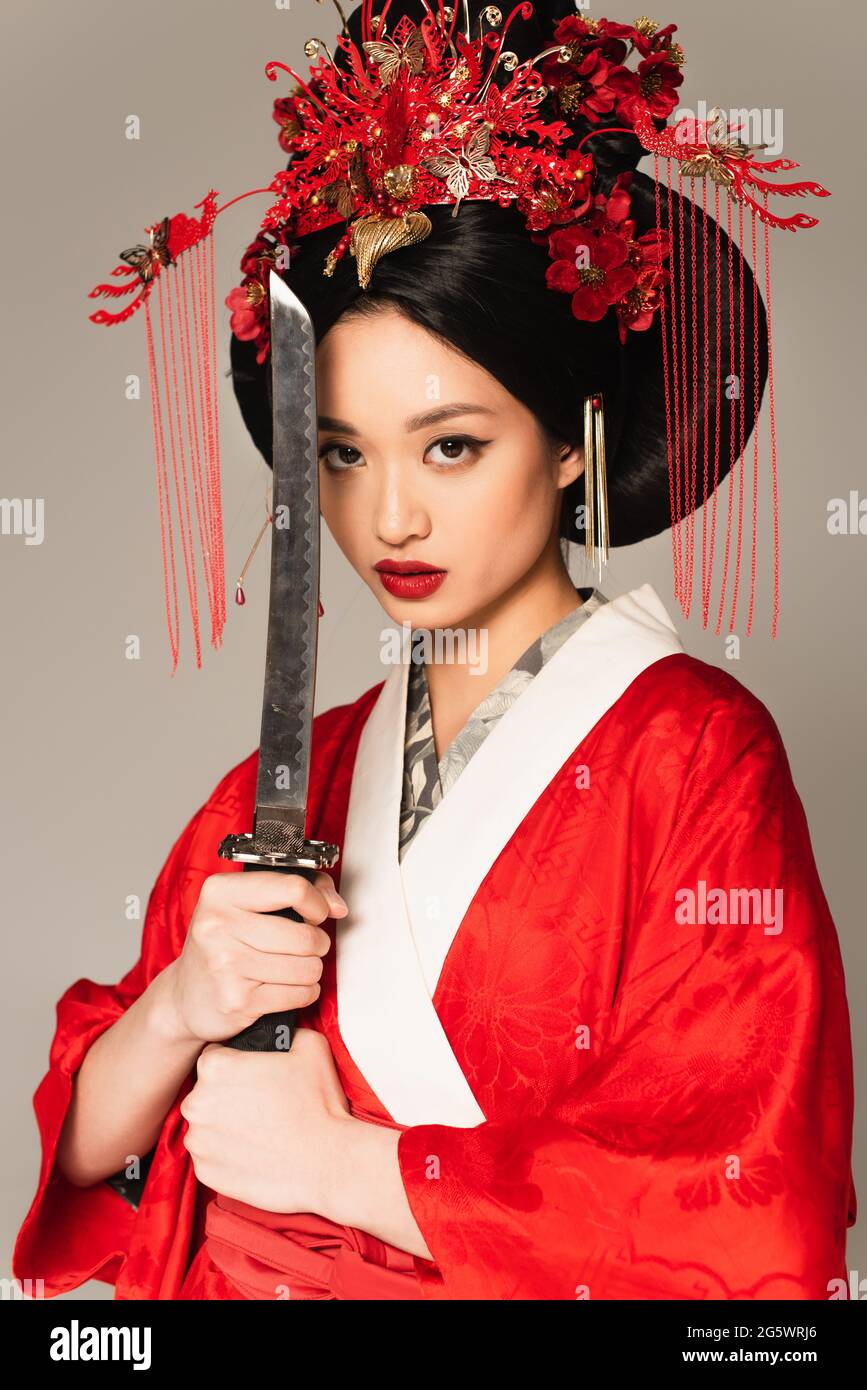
[415,422]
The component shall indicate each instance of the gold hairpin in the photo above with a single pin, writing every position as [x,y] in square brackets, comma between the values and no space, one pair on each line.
[595,485]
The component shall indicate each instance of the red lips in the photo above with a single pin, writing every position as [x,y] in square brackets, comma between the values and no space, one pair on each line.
[409,578]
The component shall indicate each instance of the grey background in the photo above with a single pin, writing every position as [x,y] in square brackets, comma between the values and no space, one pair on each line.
[104,759]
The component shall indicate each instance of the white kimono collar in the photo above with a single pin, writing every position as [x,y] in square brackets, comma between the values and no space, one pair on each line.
[404,917]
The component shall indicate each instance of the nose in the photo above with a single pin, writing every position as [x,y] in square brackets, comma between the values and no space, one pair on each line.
[400,513]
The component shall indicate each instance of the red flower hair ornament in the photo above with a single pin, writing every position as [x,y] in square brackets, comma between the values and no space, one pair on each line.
[427,125]
[411,118]
[599,261]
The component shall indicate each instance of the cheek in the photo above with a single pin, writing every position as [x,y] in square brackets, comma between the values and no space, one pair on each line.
[342,516]
[529,491]
[521,499]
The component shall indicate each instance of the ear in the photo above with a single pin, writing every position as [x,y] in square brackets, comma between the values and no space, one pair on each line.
[570,463]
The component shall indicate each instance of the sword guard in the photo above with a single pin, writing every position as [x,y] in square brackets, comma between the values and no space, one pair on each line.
[261,849]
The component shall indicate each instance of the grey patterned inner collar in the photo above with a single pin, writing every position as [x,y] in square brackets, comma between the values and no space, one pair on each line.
[426,779]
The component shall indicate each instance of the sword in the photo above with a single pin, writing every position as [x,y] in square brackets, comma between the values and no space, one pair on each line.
[278,840]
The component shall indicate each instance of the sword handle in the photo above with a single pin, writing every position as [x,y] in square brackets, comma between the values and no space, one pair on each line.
[271,1032]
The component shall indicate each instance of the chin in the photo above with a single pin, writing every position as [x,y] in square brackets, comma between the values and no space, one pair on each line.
[439,612]
[444,609]
[418,612]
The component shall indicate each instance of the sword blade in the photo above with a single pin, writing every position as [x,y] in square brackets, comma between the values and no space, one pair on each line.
[293,613]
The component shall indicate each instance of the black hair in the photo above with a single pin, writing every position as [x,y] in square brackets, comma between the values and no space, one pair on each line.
[477,282]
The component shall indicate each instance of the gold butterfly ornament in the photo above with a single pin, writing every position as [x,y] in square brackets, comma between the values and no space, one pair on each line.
[390,56]
[473,161]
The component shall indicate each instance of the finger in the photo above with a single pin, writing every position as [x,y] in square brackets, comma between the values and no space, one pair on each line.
[265,968]
[278,936]
[325,883]
[310,1039]
[278,999]
[265,891]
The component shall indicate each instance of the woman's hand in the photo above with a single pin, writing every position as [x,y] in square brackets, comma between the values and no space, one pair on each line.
[239,963]
[267,1127]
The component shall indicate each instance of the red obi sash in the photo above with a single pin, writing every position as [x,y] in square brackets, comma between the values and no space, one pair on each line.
[261,1251]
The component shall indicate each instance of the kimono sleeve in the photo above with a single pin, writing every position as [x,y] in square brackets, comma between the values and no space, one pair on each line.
[72,1234]
[704,1149]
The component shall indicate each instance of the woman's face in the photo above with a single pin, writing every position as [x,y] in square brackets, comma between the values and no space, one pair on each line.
[425,458]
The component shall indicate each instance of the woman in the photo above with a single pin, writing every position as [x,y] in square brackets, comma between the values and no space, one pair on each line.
[575,1024]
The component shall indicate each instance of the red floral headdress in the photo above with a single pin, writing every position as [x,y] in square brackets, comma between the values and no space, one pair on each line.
[412,119]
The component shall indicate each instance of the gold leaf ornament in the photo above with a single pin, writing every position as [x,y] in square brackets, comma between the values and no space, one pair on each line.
[374,237]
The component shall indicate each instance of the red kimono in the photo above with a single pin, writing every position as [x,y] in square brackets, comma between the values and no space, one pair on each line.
[602,998]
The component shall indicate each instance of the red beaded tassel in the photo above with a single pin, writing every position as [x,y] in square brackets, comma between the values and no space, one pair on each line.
[686,362]
[183,383]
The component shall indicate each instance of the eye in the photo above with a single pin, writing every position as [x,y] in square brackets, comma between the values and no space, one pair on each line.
[339,458]
[454,449]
